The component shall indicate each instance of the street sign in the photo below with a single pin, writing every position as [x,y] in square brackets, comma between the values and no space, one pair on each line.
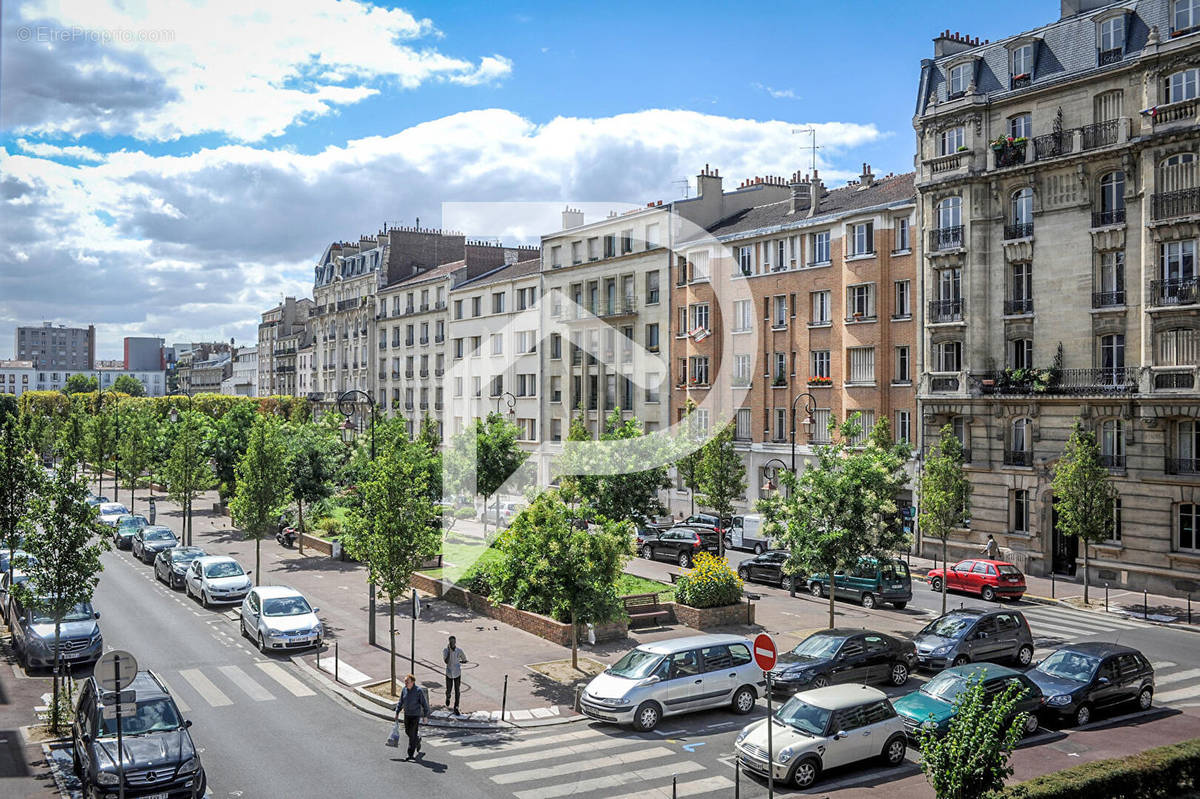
[126,709]
[764,652]
[113,697]
[416,605]
[115,670]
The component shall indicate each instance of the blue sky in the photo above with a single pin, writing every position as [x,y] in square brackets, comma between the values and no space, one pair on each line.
[178,185]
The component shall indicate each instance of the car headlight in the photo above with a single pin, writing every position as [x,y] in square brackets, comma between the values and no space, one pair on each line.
[107,778]
[941,650]
[96,636]
[930,724]
[741,736]
[785,754]
[189,765]
[621,702]
[1059,700]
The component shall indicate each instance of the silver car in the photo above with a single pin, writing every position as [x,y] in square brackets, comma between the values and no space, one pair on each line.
[973,634]
[680,675]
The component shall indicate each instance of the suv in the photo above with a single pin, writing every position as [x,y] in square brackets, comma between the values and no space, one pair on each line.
[160,758]
[987,578]
[679,544]
[870,582]
[970,634]
[823,728]
[79,638]
[1080,678]
[675,676]
[707,520]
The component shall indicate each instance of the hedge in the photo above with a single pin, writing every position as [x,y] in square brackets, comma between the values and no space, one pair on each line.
[1168,772]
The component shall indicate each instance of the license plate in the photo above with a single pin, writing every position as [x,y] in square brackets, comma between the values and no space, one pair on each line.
[897,585]
[157,796]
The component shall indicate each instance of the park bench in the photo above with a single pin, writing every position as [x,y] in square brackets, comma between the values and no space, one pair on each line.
[640,607]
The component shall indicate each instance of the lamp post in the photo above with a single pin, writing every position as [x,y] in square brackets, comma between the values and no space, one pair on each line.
[769,486]
[810,407]
[346,402]
[510,399]
[173,415]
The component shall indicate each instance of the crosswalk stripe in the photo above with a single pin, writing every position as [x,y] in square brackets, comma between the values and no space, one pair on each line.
[620,759]
[541,754]
[463,740]
[1040,629]
[1176,676]
[525,744]
[693,788]
[1089,619]
[204,686]
[276,673]
[242,680]
[610,781]
[179,703]
[1168,697]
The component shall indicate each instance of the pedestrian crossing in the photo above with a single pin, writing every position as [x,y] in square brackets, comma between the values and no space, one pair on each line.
[599,761]
[223,686]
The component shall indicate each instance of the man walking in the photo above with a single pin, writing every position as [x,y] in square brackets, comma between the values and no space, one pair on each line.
[453,657]
[415,706]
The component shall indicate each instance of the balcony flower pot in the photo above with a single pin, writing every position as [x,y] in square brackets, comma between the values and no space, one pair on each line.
[962,149]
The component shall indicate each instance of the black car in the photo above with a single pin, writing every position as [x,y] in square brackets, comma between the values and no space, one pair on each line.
[766,568]
[149,541]
[678,544]
[843,656]
[708,520]
[170,565]
[160,758]
[1081,678]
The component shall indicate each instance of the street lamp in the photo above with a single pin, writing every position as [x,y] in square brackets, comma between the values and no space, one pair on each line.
[810,407]
[345,403]
[510,399]
[769,485]
[173,415]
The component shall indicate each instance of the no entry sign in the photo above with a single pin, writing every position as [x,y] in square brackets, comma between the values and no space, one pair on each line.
[764,652]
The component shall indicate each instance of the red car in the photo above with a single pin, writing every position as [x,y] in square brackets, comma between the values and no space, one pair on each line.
[988,578]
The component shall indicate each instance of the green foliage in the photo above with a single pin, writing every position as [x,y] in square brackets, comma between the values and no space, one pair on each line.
[489,449]
[187,469]
[1084,493]
[81,384]
[262,491]
[329,526]
[601,479]
[20,481]
[722,473]
[227,438]
[72,435]
[711,583]
[8,406]
[314,460]
[688,464]
[970,761]
[137,429]
[945,492]
[100,436]
[1166,772]
[128,385]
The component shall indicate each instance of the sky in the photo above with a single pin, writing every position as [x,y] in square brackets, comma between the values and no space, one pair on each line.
[174,167]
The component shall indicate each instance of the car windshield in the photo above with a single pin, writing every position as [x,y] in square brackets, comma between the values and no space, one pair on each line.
[113,507]
[800,715]
[81,612]
[1007,569]
[946,686]
[286,606]
[159,535]
[224,568]
[818,646]
[635,665]
[132,521]
[154,715]
[948,626]
[1069,665]
[186,555]
[894,570]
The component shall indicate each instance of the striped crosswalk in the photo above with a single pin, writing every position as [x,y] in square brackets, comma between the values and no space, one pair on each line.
[223,686]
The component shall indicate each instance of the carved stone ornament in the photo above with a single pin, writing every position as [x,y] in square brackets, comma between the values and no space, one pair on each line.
[1019,251]
[1110,238]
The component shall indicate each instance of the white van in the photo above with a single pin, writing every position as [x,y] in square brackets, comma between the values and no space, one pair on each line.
[747,533]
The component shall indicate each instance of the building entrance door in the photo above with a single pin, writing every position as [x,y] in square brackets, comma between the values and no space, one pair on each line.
[1065,547]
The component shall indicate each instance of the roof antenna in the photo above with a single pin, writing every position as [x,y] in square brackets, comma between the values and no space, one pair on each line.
[687,186]
[813,147]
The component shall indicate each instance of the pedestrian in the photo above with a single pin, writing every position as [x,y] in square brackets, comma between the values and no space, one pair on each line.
[453,657]
[991,549]
[415,706]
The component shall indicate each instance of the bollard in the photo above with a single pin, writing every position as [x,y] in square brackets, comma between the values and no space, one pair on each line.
[578,688]
[318,658]
[504,698]
[748,611]
[674,787]
[1145,605]
[336,662]
[1189,608]
[737,779]
[1106,597]
[1052,583]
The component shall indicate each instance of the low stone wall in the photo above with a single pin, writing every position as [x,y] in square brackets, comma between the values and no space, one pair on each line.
[712,618]
[317,544]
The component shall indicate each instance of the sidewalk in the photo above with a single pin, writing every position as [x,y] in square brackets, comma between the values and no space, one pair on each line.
[24,771]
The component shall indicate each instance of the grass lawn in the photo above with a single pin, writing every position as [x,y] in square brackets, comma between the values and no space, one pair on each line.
[632,584]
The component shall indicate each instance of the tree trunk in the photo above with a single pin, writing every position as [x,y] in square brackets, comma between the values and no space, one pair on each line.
[692,498]
[1085,572]
[392,637]
[300,521]
[485,502]
[574,642]
[257,566]
[54,695]
[944,571]
[832,595]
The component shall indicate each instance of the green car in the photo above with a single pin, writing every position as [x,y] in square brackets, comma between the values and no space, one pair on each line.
[870,583]
[936,702]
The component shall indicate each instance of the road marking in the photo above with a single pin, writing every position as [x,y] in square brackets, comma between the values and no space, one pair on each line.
[574,749]
[276,673]
[1039,629]
[179,703]
[493,737]
[345,672]
[1176,676]
[242,680]
[204,686]
[610,781]
[525,744]
[1159,665]
[706,785]
[624,758]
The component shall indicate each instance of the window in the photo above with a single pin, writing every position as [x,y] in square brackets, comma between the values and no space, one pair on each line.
[526,385]
[476,306]
[1022,61]
[959,79]
[1112,198]
[1020,510]
[741,369]
[949,213]
[627,241]
[652,381]
[1020,439]
[862,365]
[903,365]
[651,236]
[861,301]
[652,337]
[576,252]
[1020,353]
[1112,39]
[1020,126]
[781,254]
[1022,208]
[863,238]
[1185,15]
[1177,347]
[1020,288]
[902,242]
[458,309]
[699,316]
[1187,447]
[1111,279]
[498,302]
[556,256]
[818,364]
[1182,85]
[1189,527]
[820,248]
[950,284]
[682,330]
[698,369]
[652,288]
[903,299]
[1178,263]
[741,430]
[497,344]
[820,308]
[780,314]
[950,140]
[866,423]
[947,356]
[780,369]
[700,266]
[1112,443]
[593,248]
[458,348]
[744,260]
[1114,530]
[904,426]
[1112,354]
[743,316]
[555,346]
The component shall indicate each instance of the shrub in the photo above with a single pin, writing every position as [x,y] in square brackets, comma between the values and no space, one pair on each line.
[1163,773]
[464,513]
[329,526]
[712,583]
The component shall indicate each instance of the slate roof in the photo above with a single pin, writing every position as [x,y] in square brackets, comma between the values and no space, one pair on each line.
[504,273]
[442,270]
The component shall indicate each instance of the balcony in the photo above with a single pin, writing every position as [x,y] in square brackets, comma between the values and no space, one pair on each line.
[1018,457]
[408,342]
[623,307]
[424,405]
[383,374]
[383,344]
[1061,382]
[944,382]
[1180,291]
[1015,307]
[440,305]
[437,406]
[408,309]
[1182,466]
[1052,145]
[424,340]
[395,374]
[1172,204]
[1021,230]
[347,304]
[439,338]
[1021,81]
[424,373]
[946,238]
[1009,155]
[424,307]
[1101,134]
[439,372]
[1115,216]
[861,317]
[408,405]
[1108,299]
[945,311]
[946,163]
[1110,461]
[1107,57]
[408,373]
[1174,380]
[1174,112]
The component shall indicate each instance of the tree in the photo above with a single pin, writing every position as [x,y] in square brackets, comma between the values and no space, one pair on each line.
[840,509]
[79,383]
[393,531]
[263,480]
[227,439]
[65,543]
[137,429]
[722,477]
[688,465]
[549,566]
[970,761]
[945,493]
[1084,495]
[128,385]
[20,480]
[187,468]
[314,457]
[100,441]
[621,494]
[72,437]
[496,452]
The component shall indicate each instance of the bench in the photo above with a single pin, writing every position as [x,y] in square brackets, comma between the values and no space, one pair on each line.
[641,607]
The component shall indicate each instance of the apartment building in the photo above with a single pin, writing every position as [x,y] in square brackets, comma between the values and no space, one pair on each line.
[58,347]
[1058,208]
[154,381]
[17,377]
[283,329]
[189,355]
[304,370]
[243,378]
[801,303]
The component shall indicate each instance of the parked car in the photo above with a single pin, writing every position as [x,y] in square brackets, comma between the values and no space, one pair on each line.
[870,582]
[126,528]
[936,702]
[7,581]
[111,512]
[159,757]
[501,518]
[1081,678]
[822,729]
[678,675]
[970,634]
[17,555]
[79,637]
[766,568]
[216,579]
[987,578]
[707,520]
[171,565]
[746,532]
[843,656]
[149,541]
[94,500]
[278,617]
[679,544]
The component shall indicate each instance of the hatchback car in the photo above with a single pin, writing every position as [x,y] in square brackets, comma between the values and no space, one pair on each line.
[149,541]
[94,500]
[936,702]
[278,617]
[970,634]
[111,512]
[501,518]
[869,583]
[766,568]
[678,675]
[17,556]
[7,581]
[216,579]
[1081,678]
[678,544]
[159,756]
[986,578]
[171,565]
[821,729]
[79,637]
[127,527]
[843,656]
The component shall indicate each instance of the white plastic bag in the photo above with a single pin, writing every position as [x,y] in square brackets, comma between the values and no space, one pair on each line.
[394,738]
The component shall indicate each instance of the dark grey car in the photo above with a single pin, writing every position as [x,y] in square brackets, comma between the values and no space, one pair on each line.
[972,634]
[170,565]
[149,541]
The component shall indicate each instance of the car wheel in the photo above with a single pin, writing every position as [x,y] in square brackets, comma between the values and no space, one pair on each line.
[204,599]
[806,773]
[894,750]
[685,560]
[1145,698]
[820,681]
[868,601]
[935,583]
[816,589]
[899,674]
[899,605]
[743,700]
[1083,715]
[1025,655]
[647,717]
[786,583]
[1031,724]
[647,553]
[961,660]
[262,644]
[988,593]
[759,549]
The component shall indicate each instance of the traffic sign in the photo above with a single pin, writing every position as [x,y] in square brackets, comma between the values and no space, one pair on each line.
[115,670]
[764,652]
[126,709]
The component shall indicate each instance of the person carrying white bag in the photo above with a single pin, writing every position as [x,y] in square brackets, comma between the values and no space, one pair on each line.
[415,705]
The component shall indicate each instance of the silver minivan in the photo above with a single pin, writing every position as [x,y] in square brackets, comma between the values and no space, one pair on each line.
[679,675]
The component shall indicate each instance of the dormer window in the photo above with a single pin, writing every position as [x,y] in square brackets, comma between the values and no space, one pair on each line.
[960,79]
[1185,16]
[1112,40]
[1022,65]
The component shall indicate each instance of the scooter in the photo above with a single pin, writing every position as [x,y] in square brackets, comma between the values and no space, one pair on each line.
[287,536]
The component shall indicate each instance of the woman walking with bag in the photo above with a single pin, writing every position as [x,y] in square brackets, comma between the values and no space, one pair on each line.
[415,706]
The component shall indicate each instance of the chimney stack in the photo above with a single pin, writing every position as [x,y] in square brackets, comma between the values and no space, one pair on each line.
[801,193]
[866,178]
[708,182]
[571,217]
[817,191]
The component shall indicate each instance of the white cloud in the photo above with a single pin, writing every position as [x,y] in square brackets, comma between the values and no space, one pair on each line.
[47,150]
[778,94]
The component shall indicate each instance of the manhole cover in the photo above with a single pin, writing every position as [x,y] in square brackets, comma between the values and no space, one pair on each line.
[1069,747]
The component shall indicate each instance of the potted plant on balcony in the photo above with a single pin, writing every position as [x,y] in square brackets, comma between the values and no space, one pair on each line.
[962,148]
[820,380]
[780,381]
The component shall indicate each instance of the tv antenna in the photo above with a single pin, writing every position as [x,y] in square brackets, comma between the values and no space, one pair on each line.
[687,186]
[812,147]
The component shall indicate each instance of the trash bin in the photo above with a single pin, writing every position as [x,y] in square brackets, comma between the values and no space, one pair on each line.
[335,550]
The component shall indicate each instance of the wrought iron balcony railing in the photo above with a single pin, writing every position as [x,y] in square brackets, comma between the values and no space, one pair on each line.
[946,238]
[1021,306]
[1180,291]
[945,310]
[1108,299]
[1171,204]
